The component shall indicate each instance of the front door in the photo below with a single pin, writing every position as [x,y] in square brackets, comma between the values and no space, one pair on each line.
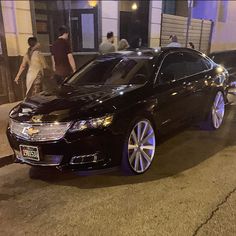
[5,91]
[173,94]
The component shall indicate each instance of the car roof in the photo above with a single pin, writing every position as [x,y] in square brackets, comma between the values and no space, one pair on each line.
[143,53]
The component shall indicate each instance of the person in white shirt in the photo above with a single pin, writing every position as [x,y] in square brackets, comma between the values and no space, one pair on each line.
[174,42]
[108,45]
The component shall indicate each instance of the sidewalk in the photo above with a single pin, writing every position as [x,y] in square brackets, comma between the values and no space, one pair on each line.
[5,150]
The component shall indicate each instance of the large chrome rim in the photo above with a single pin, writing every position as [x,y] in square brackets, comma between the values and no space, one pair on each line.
[218,110]
[141,146]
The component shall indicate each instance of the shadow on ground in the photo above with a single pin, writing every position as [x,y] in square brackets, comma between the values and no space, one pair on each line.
[178,153]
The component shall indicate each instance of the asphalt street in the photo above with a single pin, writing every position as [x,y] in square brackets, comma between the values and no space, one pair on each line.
[189,190]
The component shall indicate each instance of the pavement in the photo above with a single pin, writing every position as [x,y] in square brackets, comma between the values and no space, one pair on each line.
[190,189]
[5,150]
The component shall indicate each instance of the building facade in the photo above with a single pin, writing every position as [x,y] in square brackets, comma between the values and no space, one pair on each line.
[142,23]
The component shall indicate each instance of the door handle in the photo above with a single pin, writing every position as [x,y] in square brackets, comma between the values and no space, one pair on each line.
[186,84]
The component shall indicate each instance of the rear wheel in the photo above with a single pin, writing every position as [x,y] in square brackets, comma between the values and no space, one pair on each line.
[216,114]
[139,148]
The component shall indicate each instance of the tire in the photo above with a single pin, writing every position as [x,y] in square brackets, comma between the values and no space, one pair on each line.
[139,147]
[216,113]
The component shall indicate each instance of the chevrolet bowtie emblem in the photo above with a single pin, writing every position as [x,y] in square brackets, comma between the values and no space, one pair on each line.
[32,131]
[37,118]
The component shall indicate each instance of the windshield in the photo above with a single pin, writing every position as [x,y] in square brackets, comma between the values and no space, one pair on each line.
[115,71]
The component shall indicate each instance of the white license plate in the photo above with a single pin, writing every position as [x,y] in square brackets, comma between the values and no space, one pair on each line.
[29,152]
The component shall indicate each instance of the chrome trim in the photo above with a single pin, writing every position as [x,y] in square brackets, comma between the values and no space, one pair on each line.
[21,130]
[94,155]
[185,51]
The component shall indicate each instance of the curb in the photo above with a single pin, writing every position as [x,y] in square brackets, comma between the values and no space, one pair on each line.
[7,160]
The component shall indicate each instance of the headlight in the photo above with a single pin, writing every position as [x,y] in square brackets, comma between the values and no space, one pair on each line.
[94,123]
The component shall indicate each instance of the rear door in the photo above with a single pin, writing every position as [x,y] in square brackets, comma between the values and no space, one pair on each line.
[197,73]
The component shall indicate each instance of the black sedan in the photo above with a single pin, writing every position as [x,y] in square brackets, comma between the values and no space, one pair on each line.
[112,111]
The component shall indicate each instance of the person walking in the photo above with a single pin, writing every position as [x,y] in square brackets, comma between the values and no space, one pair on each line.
[123,45]
[108,45]
[36,64]
[63,62]
[174,42]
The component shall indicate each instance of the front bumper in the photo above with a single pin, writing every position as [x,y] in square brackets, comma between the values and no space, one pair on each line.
[90,151]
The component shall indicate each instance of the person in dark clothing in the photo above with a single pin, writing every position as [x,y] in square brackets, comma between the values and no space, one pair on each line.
[191,45]
[62,59]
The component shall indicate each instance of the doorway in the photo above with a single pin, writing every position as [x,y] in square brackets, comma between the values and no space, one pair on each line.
[134,22]
[84,29]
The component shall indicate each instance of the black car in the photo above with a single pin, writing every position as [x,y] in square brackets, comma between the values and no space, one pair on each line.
[112,111]
[228,60]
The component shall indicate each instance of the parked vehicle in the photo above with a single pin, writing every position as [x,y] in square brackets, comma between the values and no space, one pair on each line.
[228,60]
[112,111]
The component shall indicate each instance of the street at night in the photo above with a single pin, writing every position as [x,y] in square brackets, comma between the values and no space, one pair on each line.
[117,118]
[190,189]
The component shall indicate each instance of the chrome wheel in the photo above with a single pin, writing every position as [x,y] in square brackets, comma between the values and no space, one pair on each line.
[218,110]
[141,146]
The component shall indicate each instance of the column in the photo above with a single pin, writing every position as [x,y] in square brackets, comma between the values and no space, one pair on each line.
[109,15]
[155,23]
[18,26]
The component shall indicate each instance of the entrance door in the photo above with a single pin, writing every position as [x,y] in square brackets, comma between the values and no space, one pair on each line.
[5,92]
[134,18]
[84,30]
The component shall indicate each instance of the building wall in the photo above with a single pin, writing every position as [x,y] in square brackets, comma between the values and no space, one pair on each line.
[224,33]
[109,18]
[155,23]
[18,26]
[201,10]
[222,13]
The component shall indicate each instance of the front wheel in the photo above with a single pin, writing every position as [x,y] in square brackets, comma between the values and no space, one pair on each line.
[139,148]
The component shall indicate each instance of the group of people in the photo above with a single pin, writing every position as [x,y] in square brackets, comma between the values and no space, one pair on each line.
[108,45]
[174,42]
[63,63]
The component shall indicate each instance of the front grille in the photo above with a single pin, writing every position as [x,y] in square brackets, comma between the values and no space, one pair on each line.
[39,131]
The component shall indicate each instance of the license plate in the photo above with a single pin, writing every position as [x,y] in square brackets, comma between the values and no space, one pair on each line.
[29,152]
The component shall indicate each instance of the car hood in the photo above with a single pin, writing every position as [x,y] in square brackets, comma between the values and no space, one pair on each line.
[68,103]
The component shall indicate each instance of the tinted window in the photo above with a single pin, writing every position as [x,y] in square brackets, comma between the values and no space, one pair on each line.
[207,63]
[194,64]
[114,71]
[179,65]
[173,67]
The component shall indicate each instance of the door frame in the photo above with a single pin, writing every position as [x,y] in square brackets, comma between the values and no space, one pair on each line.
[7,95]
[78,13]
